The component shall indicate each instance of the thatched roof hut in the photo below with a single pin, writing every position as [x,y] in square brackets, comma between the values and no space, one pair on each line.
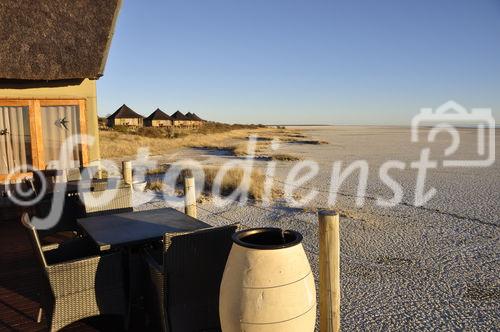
[194,120]
[125,116]
[158,119]
[55,39]
[179,119]
[178,116]
[51,53]
[193,117]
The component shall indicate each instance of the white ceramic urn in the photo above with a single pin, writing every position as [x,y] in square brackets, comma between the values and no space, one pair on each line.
[267,284]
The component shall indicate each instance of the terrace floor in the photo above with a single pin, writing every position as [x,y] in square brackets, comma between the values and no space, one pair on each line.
[19,289]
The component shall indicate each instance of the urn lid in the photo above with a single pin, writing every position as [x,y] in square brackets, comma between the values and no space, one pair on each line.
[267,238]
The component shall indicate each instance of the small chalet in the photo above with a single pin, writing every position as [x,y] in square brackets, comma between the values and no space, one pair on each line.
[180,120]
[194,120]
[125,116]
[158,119]
[51,55]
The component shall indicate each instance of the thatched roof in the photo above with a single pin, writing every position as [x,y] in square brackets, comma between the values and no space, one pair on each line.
[124,112]
[193,117]
[55,39]
[179,116]
[158,114]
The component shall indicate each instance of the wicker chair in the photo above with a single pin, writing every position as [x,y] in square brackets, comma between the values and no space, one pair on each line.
[81,173]
[67,221]
[74,288]
[49,176]
[121,202]
[74,208]
[184,294]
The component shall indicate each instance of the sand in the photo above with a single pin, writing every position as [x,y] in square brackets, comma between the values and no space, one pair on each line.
[433,267]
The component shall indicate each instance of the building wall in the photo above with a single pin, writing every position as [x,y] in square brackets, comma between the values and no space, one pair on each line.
[182,123]
[125,122]
[193,123]
[86,90]
[158,123]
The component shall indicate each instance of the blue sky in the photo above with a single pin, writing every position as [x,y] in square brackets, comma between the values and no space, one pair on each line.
[303,61]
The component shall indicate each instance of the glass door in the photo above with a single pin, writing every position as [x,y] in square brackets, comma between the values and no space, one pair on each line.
[33,132]
[15,139]
[60,127]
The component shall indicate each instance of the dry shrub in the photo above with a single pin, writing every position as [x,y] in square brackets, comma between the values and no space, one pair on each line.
[297,135]
[219,146]
[217,127]
[313,142]
[238,150]
[285,157]
[155,185]
[289,139]
[261,138]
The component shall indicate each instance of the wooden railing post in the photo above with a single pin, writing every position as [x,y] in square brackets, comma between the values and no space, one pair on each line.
[329,271]
[190,196]
[127,172]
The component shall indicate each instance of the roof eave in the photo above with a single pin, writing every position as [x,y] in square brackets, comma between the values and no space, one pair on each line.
[110,38]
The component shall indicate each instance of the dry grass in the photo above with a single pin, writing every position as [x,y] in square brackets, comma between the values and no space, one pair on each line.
[300,140]
[232,179]
[117,144]
[236,149]
[241,149]
[285,157]
[315,142]
[297,135]
[155,185]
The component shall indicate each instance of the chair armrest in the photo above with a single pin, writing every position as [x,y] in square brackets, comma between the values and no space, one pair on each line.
[49,247]
[87,262]
[70,250]
[156,277]
[155,294]
[152,263]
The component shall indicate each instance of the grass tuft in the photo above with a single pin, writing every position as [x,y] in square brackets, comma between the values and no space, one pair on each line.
[285,157]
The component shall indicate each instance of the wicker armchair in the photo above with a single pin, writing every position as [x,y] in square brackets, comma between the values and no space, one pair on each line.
[66,224]
[185,284]
[121,202]
[74,288]
[79,205]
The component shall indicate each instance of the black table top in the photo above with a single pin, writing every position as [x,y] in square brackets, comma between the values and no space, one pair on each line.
[134,228]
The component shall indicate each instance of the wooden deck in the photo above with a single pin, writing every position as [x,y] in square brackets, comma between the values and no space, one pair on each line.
[19,289]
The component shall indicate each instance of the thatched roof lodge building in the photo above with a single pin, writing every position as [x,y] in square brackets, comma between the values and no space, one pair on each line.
[51,55]
[158,119]
[125,116]
[194,120]
[179,119]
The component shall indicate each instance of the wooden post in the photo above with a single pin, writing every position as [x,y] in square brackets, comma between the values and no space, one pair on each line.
[329,271]
[190,196]
[127,172]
